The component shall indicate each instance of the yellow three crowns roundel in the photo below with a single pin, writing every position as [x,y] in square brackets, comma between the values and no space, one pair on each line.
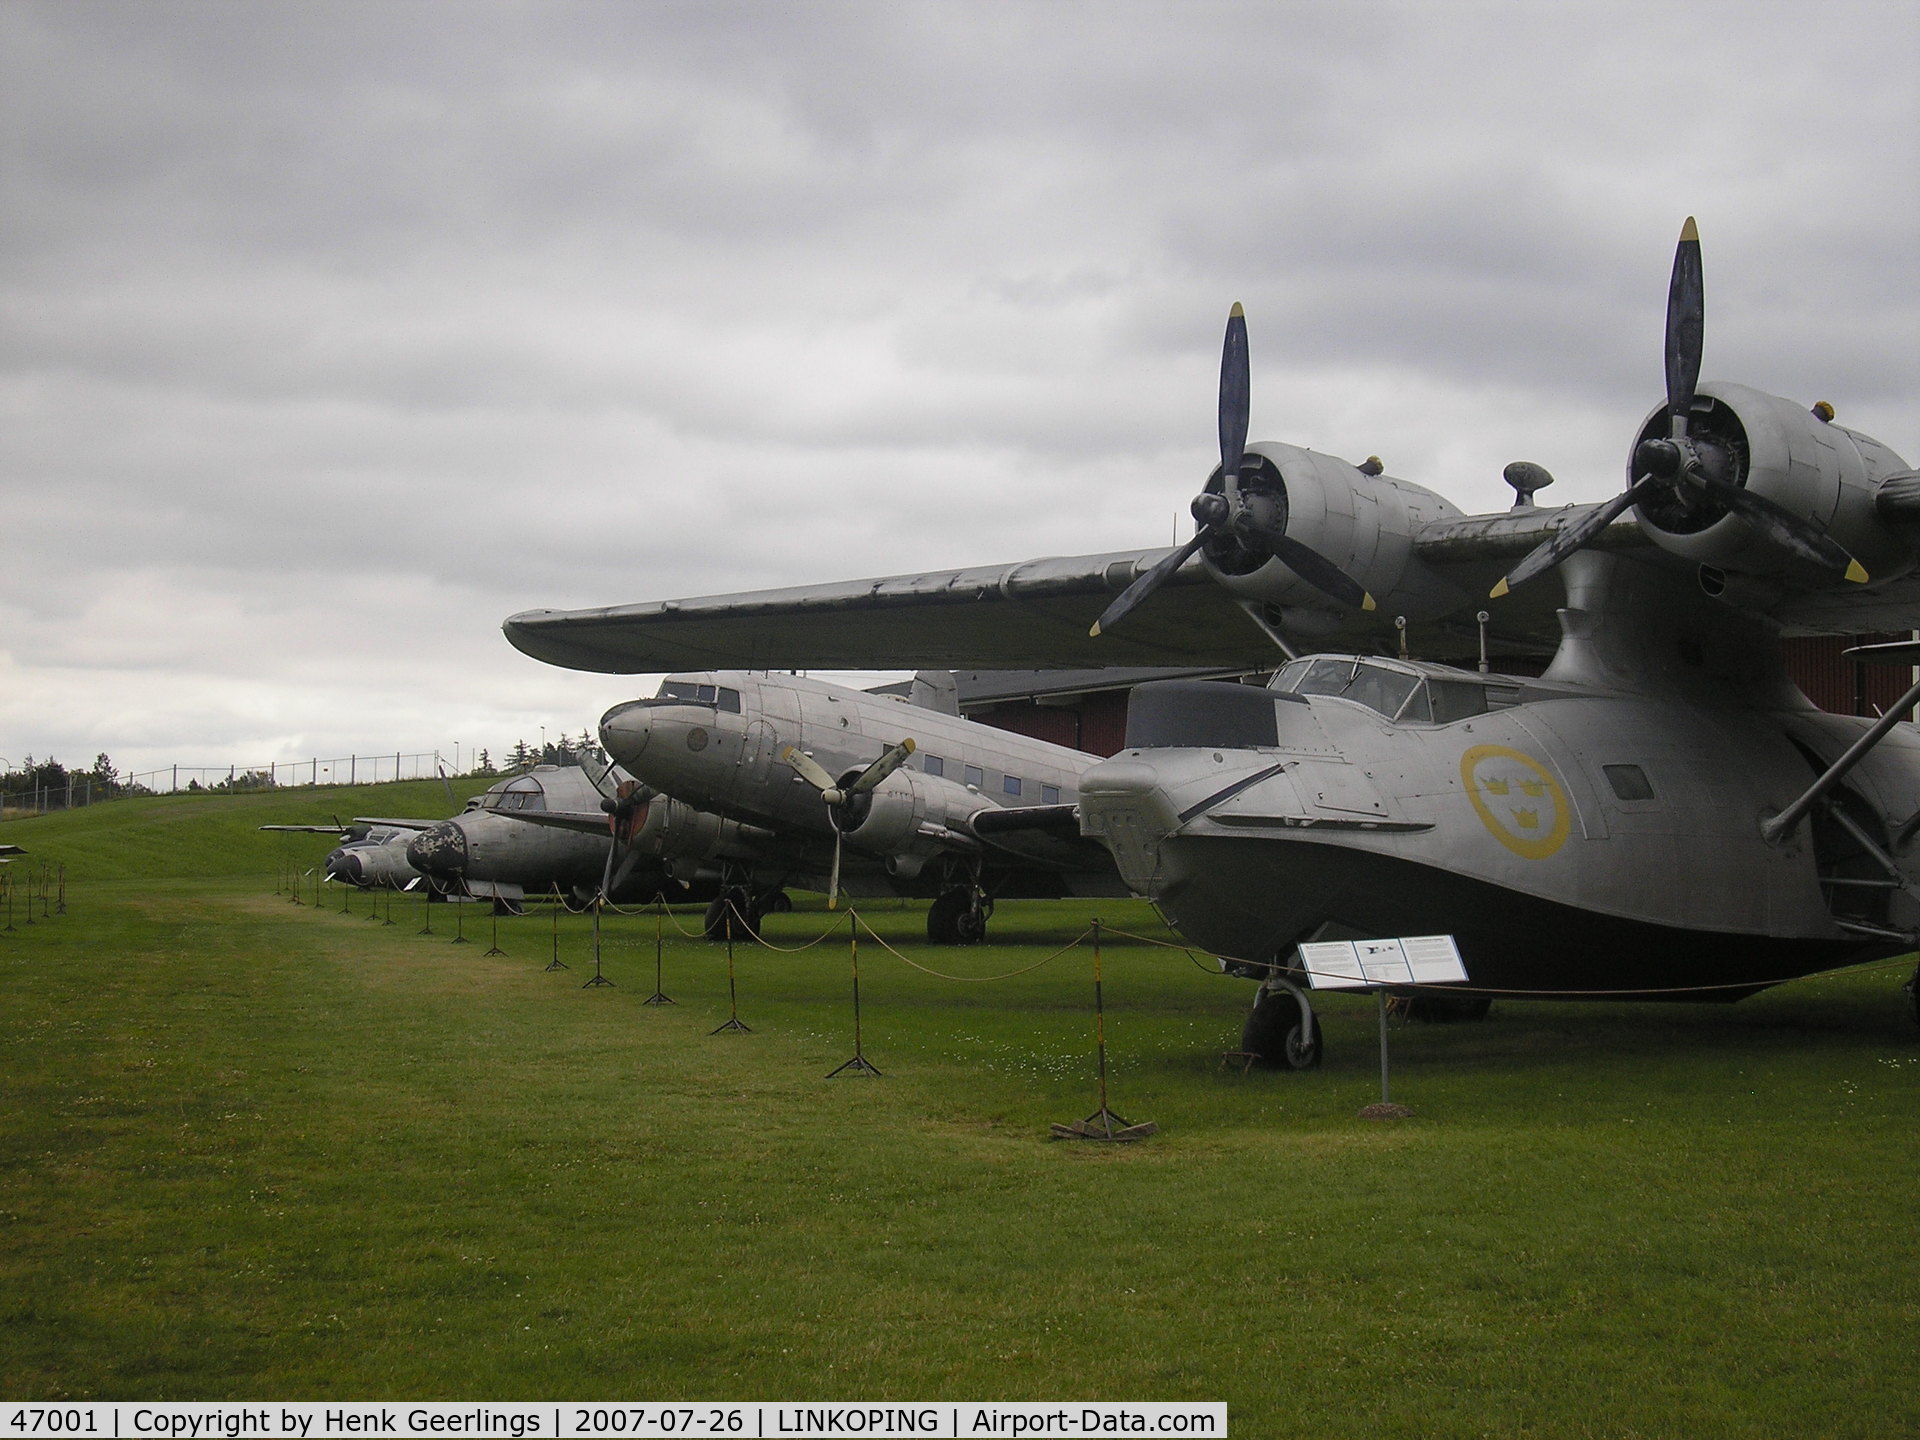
[1517,800]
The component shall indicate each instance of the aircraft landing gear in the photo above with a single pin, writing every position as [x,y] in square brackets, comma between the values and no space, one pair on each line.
[958,916]
[1282,1029]
[1912,987]
[733,916]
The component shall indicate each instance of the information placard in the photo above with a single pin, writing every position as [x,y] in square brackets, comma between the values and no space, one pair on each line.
[1367,964]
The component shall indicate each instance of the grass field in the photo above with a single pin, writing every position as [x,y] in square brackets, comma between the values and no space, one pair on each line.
[257,1150]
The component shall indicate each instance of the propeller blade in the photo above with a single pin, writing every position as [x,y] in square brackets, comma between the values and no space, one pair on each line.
[1236,386]
[833,881]
[811,771]
[1569,538]
[881,768]
[1790,532]
[1686,328]
[1318,571]
[1146,584]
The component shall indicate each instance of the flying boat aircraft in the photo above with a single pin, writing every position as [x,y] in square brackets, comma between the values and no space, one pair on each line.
[1660,814]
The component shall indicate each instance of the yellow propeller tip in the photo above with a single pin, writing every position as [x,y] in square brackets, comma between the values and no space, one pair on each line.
[1498,590]
[1366,601]
[1856,572]
[907,745]
[1236,313]
[1094,633]
[1689,232]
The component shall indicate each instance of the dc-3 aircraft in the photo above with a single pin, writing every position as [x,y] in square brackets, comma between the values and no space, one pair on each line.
[1661,814]
[922,800]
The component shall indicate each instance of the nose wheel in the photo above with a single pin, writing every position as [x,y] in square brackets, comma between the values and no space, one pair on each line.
[1282,1029]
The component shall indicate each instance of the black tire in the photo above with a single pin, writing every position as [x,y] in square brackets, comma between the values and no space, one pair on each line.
[942,919]
[1912,987]
[731,917]
[1273,1033]
[775,902]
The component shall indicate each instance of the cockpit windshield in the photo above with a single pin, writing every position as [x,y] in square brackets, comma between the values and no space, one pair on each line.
[721,697]
[1405,692]
[526,793]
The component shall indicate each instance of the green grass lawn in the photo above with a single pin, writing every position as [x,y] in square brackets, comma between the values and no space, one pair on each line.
[251,1149]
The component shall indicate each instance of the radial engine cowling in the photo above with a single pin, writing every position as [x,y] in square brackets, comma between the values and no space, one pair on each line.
[669,829]
[1363,523]
[895,819]
[1811,467]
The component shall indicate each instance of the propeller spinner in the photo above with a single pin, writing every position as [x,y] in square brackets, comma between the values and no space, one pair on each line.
[1692,468]
[841,800]
[1255,516]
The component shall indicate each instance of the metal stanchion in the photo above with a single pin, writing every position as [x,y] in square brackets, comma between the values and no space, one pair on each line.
[557,963]
[659,996]
[733,1022]
[1103,1124]
[859,1064]
[598,978]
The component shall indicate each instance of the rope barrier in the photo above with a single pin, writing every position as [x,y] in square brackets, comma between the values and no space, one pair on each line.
[940,975]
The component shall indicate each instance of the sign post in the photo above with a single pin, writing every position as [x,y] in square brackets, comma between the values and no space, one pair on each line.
[1380,966]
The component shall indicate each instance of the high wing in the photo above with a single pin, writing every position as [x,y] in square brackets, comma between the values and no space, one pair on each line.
[1035,614]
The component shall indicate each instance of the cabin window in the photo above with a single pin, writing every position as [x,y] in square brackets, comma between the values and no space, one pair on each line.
[1456,700]
[933,765]
[1049,794]
[1010,784]
[1629,782]
[729,700]
[976,777]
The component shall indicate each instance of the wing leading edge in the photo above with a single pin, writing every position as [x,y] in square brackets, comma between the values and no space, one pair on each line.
[1034,614]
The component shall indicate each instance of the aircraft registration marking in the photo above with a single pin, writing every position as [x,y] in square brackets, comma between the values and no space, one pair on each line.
[1522,806]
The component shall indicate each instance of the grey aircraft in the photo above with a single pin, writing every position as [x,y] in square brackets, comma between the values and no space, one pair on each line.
[551,829]
[1660,814]
[372,854]
[906,796]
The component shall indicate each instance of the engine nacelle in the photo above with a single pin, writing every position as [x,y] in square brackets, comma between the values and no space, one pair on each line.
[672,830]
[1808,466]
[1363,523]
[893,820]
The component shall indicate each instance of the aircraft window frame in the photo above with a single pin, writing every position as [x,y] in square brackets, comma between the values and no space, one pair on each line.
[933,765]
[975,776]
[1049,794]
[699,692]
[1010,784]
[1630,783]
[1373,683]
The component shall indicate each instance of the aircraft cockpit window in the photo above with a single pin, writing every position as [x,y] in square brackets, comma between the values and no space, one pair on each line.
[1629,782]
[526,793]
[721,697]
[1403,695]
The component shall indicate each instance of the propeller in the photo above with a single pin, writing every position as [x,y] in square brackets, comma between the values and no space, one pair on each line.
[842,799]
[1692,469]
[626,811]
[1255,516]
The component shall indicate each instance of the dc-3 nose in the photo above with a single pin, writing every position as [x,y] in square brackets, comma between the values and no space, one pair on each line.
[626,728]
[344,865]
[439,851]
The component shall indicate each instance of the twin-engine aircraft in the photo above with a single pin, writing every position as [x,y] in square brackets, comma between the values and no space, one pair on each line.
[1661,814]
[906,798]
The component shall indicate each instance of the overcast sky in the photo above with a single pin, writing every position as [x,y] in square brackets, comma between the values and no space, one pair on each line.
[335,333]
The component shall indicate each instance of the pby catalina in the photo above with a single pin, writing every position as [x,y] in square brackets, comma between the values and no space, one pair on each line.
[1661,814]
[922,801]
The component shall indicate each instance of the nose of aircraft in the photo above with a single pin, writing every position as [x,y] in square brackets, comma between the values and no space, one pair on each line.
[345,865]
[439,851]
[625,730]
